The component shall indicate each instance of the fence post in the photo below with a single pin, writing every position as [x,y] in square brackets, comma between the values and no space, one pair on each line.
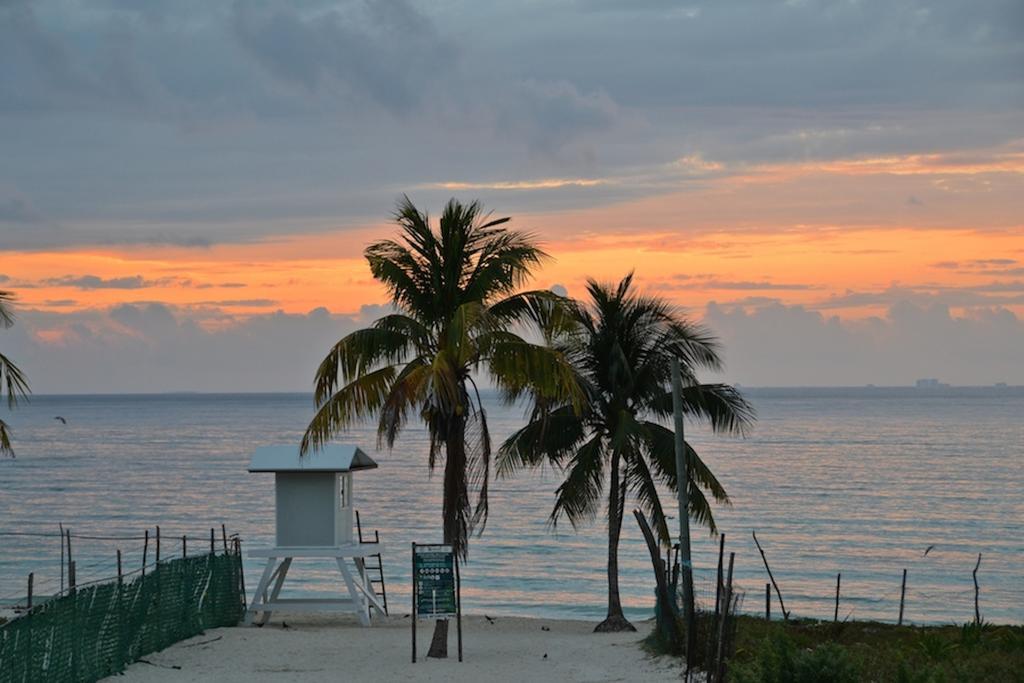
[68,537]
[977,612]
[119,575]
[224,535]
[241,573]
[782,605]
[60,525]
[31,576]
[71,577]
[767,602]
[184,546]
[721,578]
[213,548]
[835,615]
[903,592]
[719,664]
[145,551]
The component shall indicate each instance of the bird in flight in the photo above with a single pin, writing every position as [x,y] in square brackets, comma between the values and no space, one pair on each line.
[63,421]
[927,550]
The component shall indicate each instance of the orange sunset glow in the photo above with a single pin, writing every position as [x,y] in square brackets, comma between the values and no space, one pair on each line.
[840,202]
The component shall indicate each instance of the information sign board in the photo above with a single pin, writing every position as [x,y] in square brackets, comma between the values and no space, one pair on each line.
[434,573]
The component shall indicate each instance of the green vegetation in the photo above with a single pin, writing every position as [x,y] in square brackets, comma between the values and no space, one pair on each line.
[12,381]
[457,299]
[621,345]
[825,652]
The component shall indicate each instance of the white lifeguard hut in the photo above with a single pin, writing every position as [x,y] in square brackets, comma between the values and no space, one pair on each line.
[314,514]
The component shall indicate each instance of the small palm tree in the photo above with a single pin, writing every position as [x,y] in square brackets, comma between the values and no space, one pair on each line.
[456,295]
[12,381]
[622,348]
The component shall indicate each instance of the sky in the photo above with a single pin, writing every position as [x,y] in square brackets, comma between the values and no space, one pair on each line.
[834,188]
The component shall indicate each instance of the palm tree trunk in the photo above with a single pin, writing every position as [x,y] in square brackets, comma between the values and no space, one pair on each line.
[456,502]
[616,620]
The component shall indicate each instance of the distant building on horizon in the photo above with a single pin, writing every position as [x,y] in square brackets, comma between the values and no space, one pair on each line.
[929,384]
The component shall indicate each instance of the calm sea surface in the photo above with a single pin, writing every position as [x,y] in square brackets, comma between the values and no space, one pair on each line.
[858,481]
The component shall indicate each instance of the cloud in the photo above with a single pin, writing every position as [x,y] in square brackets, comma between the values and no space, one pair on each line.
[153,347]
[778,345]
[384,50]
[96,282]
[710,283]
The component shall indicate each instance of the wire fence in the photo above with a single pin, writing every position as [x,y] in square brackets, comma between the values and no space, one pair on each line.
[96,630]
[97,558]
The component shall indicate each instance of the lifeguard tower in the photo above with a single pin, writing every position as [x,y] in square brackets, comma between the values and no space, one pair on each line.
[314,511]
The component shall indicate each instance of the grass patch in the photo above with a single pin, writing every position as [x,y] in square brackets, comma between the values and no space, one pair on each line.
[809,650]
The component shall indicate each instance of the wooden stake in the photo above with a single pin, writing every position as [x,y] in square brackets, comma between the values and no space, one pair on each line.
[224,535]
[145,551]
[782,605]
[719,664]
[69,552]
[119,575]
[158,544]
[903,592]
[721,578]
[767,602]
[184,546]
[241,570]
[31,576]
[835,615]
[977,612]
[61,526]
[213,547]
[71,577]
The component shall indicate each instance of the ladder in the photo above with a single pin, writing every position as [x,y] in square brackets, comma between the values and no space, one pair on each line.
[378,568]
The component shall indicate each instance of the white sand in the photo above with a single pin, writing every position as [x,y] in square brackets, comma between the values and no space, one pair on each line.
[322,648]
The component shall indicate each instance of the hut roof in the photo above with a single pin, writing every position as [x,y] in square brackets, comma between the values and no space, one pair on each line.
[330,458]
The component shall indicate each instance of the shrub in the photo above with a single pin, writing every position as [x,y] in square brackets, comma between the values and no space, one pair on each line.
[778,660]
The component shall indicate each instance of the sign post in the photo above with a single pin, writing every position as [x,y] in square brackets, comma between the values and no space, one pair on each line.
[436,587]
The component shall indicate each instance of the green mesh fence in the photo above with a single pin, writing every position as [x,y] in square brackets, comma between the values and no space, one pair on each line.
[98,630]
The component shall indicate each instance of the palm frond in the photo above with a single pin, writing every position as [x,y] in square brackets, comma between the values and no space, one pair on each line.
[578,498]
[722,406]
[5,440]
[549,436]
[356,401]
[13,381]
[358,353]
[6,312]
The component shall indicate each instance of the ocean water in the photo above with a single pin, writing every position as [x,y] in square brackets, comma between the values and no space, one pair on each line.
[858,481]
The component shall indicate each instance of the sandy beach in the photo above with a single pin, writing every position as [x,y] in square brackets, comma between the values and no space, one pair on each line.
[315,648]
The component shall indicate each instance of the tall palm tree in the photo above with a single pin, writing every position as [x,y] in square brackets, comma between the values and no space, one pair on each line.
[12,381]
[457,300]
[621,348]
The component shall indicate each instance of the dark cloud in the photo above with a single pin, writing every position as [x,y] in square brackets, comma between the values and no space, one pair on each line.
[96,282]
[242,303]
[698,282]
[383,49]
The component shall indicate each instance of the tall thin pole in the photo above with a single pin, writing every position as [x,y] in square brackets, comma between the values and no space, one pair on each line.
[903,592]
[682,485]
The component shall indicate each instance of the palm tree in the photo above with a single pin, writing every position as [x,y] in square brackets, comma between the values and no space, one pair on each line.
[622,348]
[456,295]
[12,381]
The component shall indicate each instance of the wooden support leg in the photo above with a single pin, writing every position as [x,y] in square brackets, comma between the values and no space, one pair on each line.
[358,598]
[261,589]
[282,571]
